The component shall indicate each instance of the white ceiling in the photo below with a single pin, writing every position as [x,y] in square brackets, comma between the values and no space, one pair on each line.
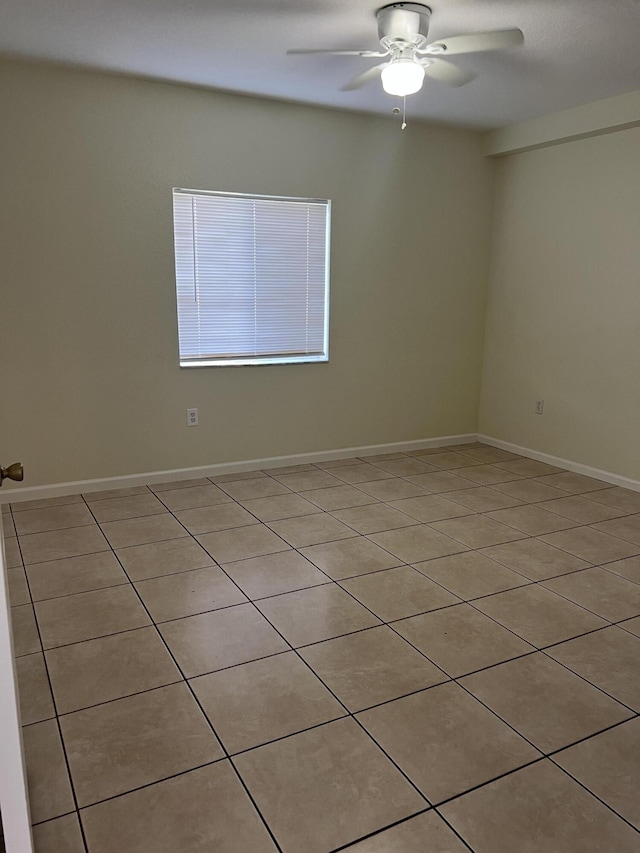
[575,51]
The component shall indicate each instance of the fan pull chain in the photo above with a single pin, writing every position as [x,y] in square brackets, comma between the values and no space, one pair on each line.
[404,113]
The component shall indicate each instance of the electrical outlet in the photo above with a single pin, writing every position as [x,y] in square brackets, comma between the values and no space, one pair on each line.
[539,407]
[192,417]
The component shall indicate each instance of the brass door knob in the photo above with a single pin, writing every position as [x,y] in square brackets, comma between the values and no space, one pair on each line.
[13,472]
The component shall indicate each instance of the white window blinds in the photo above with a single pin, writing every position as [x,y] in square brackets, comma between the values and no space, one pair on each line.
[252,278]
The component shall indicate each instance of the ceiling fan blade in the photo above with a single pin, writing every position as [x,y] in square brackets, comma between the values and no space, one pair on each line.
[363,79]
[447,72]
[475,42]
[371,53]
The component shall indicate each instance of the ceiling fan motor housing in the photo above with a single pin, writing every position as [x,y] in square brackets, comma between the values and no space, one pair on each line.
[406,23]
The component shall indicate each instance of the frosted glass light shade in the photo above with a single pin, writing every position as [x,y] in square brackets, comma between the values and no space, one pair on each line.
[402,77]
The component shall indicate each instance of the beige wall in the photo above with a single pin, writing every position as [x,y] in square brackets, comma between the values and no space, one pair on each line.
[563,319]
[88,353]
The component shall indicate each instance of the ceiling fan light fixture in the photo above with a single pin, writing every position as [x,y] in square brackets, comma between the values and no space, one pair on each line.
[402,77]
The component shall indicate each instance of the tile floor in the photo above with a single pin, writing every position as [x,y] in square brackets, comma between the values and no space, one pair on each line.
[437,651]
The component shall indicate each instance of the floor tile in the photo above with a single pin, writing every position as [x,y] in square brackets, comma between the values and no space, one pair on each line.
[135,741]
[7,527]
[602,592]
[17,587]
[487,475]
[36,703]
[242,543]
[591,545]
[477,531]
[43,503]
[406,466]
[610,659]
[338,497]
[194,496]
[535,559]
[629,568]
[207,519]
[238,475]
[580,509]
[609,766]
[426,832]
[139,531]
[446,741]
[222,638]
[260,577]
[382,457]
[12,553]
[486,454]
[632,625]
[370,667]
[439,481]
[538,615]
[188,593]
[176,815]
[430,508]
[311,530]
[350,557]
[337,463]
[261,701]
[483,499]
[529,467]
[75,574]
[49,787]
[315,614]
[96,671]
[292,469]
[398,593]
[575,484]
[538,808]
[53,518]
[163,558]
[88,615]
[336,777]
[532,519]
[545,702]
[242,490]
[107,494]
[449,460]
[25,631]
[305,480]
[277,507]
[61,835]
[57,544]
[374,518]
[413,544]
[460,640]
[192,483]
[624,499]
[115,509]
[624,528]
[470,575]
[393,489]
[529,491]
[360,473]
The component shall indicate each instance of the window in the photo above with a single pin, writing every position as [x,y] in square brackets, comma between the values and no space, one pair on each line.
[252,278]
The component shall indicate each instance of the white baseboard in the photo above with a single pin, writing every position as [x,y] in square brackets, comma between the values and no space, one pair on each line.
[576,467]
[14,494]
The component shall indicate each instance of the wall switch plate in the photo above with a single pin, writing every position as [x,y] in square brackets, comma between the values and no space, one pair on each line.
[192,417]
[539,406]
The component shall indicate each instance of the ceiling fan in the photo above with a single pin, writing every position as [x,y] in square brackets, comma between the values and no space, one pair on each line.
[403,29]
